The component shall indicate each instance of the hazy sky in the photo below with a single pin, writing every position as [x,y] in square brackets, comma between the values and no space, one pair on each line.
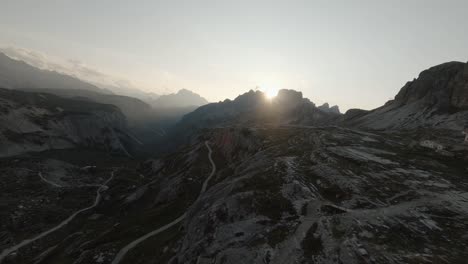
[350,53]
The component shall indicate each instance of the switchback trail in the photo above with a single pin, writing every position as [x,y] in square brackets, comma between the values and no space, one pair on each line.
[134,243]
[25,242]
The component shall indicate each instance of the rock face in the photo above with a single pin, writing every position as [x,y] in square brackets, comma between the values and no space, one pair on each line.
[37,122]
[288,99]
[444,87]
[438,98]
[183,98]
[326,108]
[134,109]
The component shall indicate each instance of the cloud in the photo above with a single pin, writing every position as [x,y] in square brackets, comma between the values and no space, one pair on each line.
[71,67]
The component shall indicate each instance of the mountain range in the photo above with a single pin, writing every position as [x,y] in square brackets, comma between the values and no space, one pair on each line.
[15,74]
[147,116]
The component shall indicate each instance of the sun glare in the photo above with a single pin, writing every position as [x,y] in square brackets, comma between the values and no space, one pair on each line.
[270,92]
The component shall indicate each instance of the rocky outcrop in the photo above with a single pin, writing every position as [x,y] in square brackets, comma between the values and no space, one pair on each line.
[354,113]
[135,110]
[38,122]
[253,108]
[288,99]
[288,107]
[326,108]
[444,87]
[438,98]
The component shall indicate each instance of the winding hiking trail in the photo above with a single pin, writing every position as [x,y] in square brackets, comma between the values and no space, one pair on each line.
[134,243]
[25,242]
[49,182]
[213,170]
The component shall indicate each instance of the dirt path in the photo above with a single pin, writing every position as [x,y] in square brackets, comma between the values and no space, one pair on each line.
[134,243]
[49,182]
[25,242]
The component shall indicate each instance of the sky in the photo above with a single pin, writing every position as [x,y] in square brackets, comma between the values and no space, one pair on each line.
[356,54]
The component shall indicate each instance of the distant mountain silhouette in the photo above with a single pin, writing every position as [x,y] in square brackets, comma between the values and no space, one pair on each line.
[147,117]
[183,98]
[288,107]
[326,108]
[146,97]
[254,109]
[18,75]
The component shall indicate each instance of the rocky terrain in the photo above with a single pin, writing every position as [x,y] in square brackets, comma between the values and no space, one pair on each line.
[438,98]
[332,195]
[42,191]
[278,195]
[39,121]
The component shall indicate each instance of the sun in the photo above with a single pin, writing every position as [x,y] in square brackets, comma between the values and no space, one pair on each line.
[270,92]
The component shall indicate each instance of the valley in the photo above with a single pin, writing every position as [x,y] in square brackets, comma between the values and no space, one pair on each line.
[306,193]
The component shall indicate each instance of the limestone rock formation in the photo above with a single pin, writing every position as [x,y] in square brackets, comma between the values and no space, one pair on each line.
[438,98]
[326,108]
[38,122]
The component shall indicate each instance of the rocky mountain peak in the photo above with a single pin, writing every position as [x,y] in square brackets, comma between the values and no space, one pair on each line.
[326,108]
[183,98]
[285,100]
[253,108]
[335,109]
[250,98]
[438,98]
[186,92]
[444,87]
[289,99]
[289,95]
